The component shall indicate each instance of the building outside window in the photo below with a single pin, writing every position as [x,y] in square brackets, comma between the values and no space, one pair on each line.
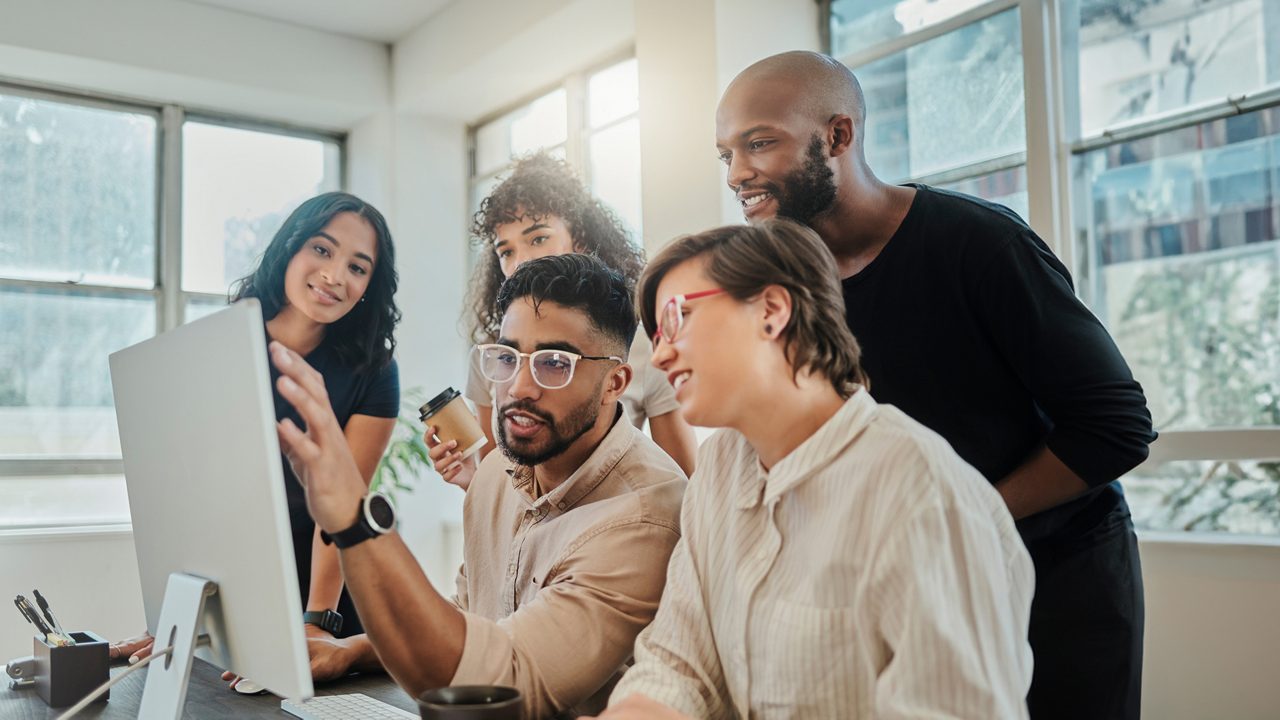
[1169,113]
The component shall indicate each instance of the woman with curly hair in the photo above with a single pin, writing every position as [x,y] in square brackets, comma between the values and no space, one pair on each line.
[543,209]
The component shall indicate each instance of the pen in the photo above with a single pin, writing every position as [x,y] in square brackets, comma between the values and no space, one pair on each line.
[48,614]
[30,614]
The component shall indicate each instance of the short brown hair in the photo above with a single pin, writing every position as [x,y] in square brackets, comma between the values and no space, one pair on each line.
[746,259]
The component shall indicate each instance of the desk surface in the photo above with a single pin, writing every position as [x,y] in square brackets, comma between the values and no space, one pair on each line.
[207,697]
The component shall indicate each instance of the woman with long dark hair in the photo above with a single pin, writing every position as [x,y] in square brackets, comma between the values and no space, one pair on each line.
[327,284]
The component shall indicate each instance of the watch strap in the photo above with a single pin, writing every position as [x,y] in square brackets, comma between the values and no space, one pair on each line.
[327,620]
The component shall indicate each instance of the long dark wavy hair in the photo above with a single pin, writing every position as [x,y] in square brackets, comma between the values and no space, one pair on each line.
[540,185]
[364,338]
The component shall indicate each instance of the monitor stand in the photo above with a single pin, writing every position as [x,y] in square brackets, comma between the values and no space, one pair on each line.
[166,689]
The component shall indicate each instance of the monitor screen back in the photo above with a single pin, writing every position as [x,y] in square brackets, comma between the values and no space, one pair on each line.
[206,490]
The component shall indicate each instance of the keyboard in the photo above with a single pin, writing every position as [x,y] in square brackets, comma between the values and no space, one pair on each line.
[345,707]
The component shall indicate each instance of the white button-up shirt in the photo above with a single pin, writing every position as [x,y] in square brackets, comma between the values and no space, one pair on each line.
[870,573]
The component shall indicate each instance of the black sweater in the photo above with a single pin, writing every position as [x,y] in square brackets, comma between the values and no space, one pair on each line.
[969,324]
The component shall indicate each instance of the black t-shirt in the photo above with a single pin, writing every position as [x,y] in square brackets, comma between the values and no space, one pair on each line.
[375,393]
[969,324]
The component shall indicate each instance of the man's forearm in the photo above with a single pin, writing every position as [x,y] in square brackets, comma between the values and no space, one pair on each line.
[417,634]
[1040,483]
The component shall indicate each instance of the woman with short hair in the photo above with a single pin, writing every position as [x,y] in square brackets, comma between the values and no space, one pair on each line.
[838,559]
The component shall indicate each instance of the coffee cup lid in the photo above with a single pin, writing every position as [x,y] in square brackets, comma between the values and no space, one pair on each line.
[437,402]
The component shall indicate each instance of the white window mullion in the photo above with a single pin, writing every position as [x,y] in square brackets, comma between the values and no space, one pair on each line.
[169,279]
[1048,173]
[575,151]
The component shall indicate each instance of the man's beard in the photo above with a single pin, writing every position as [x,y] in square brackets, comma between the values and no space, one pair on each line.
[560,433]
[809,191]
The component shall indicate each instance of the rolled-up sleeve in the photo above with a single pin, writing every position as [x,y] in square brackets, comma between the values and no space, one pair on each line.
[578,631]
[1101,427]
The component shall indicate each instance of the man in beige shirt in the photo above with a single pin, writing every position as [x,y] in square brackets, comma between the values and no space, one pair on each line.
[567,531]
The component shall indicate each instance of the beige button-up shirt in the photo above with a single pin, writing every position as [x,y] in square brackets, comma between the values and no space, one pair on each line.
[556,588]
[870,574]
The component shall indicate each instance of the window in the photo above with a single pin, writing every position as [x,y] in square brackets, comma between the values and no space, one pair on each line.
[85,271]
[1170,118]
[922,125]
[591,121]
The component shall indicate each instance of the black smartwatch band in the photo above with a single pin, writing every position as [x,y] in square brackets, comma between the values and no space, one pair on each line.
[376,516]
[328,620]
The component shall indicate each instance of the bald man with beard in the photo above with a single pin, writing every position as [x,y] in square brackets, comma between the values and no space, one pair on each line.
[970,324]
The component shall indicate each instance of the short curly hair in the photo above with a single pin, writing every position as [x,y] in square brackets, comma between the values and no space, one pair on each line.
[540,185]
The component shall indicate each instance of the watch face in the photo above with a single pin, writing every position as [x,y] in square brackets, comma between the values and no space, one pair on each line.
[381,514]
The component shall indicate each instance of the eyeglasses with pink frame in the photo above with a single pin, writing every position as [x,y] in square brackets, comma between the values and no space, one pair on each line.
[671,319]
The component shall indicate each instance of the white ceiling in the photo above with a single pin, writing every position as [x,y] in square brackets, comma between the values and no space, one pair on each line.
[383,21]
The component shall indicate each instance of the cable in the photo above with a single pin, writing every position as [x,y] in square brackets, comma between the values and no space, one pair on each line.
[88,699]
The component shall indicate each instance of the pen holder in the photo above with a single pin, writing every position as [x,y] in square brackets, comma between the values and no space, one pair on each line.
[63,675]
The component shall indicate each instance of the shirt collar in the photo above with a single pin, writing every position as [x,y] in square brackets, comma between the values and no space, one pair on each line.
[815,453]
[586,478]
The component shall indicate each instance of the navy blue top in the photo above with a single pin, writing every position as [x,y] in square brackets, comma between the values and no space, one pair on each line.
[374,393]
[969,324]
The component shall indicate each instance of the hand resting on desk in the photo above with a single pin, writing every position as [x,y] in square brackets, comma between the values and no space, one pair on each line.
[331,658]
[135,648]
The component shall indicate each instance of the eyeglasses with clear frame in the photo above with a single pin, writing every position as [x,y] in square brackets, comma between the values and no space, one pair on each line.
[551,369]
[671,319]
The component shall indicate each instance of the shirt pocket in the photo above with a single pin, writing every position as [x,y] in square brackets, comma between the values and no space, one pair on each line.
[806,662]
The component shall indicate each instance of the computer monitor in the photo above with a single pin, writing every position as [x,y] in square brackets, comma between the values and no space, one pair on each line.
[207,497]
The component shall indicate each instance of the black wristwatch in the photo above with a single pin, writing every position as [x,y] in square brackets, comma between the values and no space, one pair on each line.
[377,516]
[328,620]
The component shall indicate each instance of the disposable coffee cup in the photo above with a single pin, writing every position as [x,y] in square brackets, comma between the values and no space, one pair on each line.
[453,420]
[471,702]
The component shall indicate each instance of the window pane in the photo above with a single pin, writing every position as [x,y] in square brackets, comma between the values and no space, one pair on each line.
[920,120]
[198,307]
[238,186]
[613,93]
[1004,187]
[1203,496]
[542,123]
[615,171]
[1138,58]
[77,193]
[1184,267]
[77,500]
[859,24]
[55,385]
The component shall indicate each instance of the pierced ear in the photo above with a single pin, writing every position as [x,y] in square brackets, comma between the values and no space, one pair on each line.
[840,135]
[777,309]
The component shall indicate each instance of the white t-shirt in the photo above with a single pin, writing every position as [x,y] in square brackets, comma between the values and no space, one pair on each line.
[648,395]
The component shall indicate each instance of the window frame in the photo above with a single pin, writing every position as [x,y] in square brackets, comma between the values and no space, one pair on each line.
[1054,140]
[167,293]
[579,131]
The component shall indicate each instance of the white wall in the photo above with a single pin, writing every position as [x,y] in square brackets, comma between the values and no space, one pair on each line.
[1212,632]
